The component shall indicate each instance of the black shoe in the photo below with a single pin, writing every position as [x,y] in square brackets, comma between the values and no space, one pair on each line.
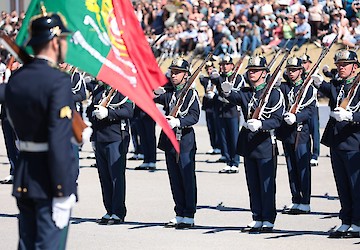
[298,211]
[337,234]
[102,221]
[115,221]
[170,224]
[352,235]
[184,225]
[255,230]
[141,168]
[224,171]
[267,229]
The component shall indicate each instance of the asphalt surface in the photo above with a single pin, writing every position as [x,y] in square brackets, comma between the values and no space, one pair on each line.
[223,209]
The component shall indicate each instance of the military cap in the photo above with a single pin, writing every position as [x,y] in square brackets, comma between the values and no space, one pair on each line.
[45,27]
[305,58]
[346,56]
[227,59]
[180,64]
[294,62]
[209,64]
[257,62]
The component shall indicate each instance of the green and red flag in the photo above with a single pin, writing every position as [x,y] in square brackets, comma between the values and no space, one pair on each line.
[109,43]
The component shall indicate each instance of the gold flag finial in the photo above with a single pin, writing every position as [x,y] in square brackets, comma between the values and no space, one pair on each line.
[43,9]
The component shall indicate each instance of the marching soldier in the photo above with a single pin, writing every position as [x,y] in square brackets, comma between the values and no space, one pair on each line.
[181,168]
[295,135]
[208,106]
[40,109]
[255,139]
[110,123]
[314,123]
[228,115]
[342,135]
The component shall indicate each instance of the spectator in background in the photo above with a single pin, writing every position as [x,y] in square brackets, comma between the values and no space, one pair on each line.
[277,34]
[302,31]
[315,17]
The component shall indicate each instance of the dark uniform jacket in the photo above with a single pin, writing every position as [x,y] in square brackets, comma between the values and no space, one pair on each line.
[189,115]
[116,125]
[258,144]
[222,107]
[39,104]
[342,135]
[207,103]
[289,133]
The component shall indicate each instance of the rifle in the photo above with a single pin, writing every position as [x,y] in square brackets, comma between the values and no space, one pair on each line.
[104,102]
[78,125]
[269,86]
[272,62]
[301,93]
[355,84]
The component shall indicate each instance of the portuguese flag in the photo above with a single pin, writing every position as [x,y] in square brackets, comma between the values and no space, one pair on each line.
[108,43]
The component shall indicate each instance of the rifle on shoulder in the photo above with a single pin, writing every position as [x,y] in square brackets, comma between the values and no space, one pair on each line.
[78,125]
[269,86]
[302,91]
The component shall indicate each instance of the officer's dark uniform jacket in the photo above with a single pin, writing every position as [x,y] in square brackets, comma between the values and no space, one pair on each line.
[116,125]
[207,103]
[189,115]
[343,135]
[39,103]
[222,107]
[257,144]
[78,89]
[288,133]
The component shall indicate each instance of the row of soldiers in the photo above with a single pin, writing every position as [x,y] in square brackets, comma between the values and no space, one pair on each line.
[256,142]
[46,171]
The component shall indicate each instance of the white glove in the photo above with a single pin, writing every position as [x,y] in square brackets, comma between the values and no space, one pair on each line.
[289,118]
[340,114]
[214,74]
[326,68]
[100,112]
[159,91]
[210,94]
[254,124]
[226,87]
[61,208]
[317,79]
[86,134]
[173,122]
[7,75]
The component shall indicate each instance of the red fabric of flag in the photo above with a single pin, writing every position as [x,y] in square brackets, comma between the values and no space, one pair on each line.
[149,76]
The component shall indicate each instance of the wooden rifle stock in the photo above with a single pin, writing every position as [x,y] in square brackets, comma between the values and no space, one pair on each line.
[269,86]
[78,125]
[299,98]
[237,68]
[345,102]
[272,62]
[104,102]
[174,111]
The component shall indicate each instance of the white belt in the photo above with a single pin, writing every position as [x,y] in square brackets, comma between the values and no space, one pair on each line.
[29,146]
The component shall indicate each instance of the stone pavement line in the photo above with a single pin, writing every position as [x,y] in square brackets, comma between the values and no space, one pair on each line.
[223,210]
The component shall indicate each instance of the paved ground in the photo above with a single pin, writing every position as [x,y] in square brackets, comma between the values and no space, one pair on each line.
[223,210]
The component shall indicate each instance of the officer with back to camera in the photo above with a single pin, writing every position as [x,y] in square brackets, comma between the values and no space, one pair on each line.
[40,110]
[181,168]
[342,136]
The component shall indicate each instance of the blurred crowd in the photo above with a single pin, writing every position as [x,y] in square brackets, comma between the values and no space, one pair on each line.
[195,27]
